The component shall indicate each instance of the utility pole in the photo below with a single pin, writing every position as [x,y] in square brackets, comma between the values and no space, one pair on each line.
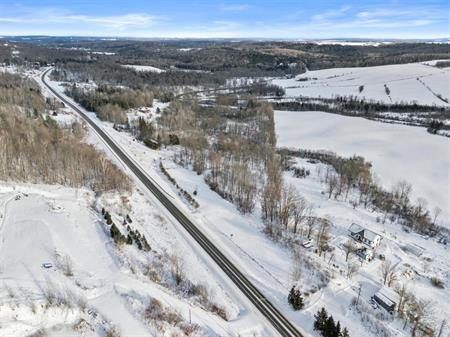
[359,293]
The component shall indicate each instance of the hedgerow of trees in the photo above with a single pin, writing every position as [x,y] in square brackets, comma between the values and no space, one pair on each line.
[344,175]
[327,326]
[110,103]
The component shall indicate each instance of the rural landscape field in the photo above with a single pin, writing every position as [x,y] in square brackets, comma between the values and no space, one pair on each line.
[224,169]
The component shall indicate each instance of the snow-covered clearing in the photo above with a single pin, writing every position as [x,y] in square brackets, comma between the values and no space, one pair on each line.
[397,152]
[353,43]
[41,224]
[406,82]
[144,68]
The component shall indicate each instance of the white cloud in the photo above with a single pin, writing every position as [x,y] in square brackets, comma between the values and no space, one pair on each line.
[114,21]
[331,14]
[222,25]
[119,21]
[235,7]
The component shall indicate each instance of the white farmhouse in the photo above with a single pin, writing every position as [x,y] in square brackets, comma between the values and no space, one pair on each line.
[364,235]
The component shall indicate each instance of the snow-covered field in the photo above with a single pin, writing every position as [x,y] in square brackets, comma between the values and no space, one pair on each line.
[397,152]
[42,224]
[406,82]
[144,68]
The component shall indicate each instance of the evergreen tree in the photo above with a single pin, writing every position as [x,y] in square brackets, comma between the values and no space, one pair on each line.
[345,333]
[108,218]
[298,300]
[337,329]
[321,317]
[329,328]
[291,295]
[129,239]
[114,231]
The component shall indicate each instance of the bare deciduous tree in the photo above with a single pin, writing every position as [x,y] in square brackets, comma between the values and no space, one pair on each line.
[323,236]
[388,272]
[421,312]
[436,213]
[349,248]
[352,268]
[177,267]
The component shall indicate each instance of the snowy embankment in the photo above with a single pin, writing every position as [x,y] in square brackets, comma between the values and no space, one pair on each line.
[397,152]
[408,83]
[54,242]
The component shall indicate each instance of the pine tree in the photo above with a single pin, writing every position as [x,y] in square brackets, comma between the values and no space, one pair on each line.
[108,218]
[321,317]
[129,239]
[329,328]
[291,295]
[345,333]
[298,300]
[337,329]
[114,232]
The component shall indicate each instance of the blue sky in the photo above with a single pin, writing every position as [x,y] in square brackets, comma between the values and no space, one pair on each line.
[210,19]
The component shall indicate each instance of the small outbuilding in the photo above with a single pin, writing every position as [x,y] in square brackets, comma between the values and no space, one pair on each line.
[386,299]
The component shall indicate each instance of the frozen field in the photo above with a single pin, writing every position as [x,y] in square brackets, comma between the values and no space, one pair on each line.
[397,152]
[413,82]
[144,68]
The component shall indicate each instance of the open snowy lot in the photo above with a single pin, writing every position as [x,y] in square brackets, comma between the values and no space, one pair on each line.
[414,82]
[397,152]
[61,271]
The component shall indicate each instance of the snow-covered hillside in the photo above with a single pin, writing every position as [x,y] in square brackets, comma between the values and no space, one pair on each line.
[397,152]
[61,271]
[421,83]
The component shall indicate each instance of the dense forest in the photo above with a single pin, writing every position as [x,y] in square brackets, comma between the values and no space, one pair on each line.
[212,60]
[33,148]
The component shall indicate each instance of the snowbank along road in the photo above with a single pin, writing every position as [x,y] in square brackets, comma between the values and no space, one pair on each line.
[281,324]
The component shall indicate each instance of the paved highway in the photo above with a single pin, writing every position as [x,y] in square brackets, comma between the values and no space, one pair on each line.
[281,324]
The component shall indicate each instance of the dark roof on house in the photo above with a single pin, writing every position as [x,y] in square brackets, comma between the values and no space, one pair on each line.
[366,233]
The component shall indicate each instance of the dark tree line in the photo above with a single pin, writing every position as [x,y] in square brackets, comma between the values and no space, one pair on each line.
[327,326]
[353,105]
